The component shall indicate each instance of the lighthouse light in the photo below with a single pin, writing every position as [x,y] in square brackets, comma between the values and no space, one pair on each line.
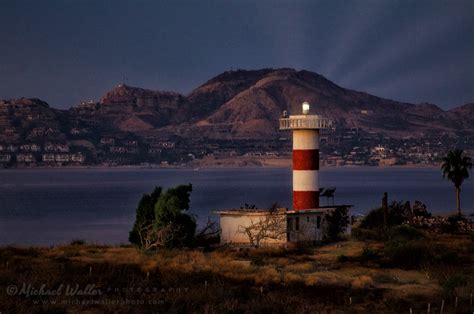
[305,107]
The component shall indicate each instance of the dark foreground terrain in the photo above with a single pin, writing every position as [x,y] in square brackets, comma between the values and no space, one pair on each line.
[353,276]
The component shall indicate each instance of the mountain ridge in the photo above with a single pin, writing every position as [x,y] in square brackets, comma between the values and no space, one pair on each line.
[249,102]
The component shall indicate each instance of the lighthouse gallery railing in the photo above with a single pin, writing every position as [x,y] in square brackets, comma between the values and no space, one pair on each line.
[305,122]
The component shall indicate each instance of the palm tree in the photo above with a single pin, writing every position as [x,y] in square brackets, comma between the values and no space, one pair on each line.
[456,168]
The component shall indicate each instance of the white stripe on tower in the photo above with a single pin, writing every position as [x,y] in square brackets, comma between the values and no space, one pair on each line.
[306,139]
[305,180]
[305,168]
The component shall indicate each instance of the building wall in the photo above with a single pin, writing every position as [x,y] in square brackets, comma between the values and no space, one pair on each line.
[296,226]
[311,226]
[231,228]
[306,227]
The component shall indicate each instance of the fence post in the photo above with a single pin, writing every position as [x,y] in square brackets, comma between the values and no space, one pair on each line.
[442,307]
[429,308]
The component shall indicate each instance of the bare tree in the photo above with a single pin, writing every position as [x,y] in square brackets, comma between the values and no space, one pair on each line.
[152,237]
[209,234]
[272,226]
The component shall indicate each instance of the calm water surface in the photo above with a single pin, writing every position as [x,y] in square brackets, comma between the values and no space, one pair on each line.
[55,206]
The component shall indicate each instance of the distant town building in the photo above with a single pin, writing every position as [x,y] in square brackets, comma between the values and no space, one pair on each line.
[26,158]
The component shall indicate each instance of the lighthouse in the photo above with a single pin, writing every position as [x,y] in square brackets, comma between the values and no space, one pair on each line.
[307,220]
[306,130]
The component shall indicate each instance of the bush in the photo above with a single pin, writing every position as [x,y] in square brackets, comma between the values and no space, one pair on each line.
[419,209]
[78,242]
[449,258]
[452,226]
[453,282]
[397,214]
[368,255]
[369,234]
[337,222]
[343,258]
[405,233]
[408,254]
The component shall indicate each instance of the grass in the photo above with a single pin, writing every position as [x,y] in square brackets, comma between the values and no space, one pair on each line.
[292,280]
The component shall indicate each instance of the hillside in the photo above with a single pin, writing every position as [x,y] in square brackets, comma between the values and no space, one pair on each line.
[254,110]
[249,103]
[236,112]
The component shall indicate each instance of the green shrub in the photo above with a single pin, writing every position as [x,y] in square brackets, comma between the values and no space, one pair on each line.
[369,234]
[337,222]
[452,225]
[397,213]
[449,258]
[384,278]
[258,260]
[343,258]
[368,255]
[419,209]
[11,251]
[71,252]
[304,248]
[409,254]
[453,282]
[405,233]
[78,242]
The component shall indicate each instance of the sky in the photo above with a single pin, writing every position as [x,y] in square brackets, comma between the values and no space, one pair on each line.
[64,52]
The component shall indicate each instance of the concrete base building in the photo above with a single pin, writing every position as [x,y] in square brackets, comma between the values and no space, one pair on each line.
[263,227]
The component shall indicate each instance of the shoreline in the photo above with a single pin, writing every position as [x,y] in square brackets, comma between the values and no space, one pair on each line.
[225,164]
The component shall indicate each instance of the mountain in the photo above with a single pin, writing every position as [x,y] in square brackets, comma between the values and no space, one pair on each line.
[249,103]
[21,118]
[133,109]
[241,104]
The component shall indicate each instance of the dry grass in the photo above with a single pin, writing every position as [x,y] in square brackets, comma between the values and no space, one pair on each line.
[224,280]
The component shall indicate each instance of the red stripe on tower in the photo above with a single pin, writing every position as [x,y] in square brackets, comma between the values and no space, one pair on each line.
[305,200]
[306,159]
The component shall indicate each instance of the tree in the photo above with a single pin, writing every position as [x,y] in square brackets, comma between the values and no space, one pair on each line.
[337,222]
[145,216]
[161,220]
[169,213]
[455,167]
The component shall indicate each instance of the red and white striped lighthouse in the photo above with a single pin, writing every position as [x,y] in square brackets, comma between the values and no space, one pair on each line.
[305,156]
